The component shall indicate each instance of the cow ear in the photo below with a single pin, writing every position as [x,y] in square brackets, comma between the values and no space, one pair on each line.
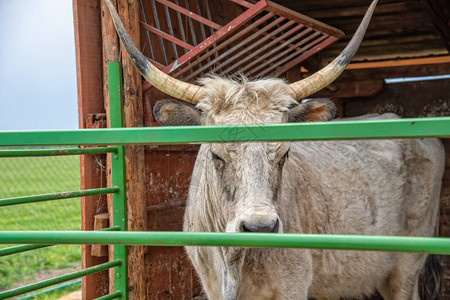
[176,113]
[314,110]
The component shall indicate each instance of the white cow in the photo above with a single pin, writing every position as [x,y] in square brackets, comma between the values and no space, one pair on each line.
[367,187]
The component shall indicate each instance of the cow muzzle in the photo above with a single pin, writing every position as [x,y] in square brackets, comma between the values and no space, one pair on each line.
[257,222]
[268,226]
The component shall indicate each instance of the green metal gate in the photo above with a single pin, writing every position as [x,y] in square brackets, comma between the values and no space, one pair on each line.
[112,140]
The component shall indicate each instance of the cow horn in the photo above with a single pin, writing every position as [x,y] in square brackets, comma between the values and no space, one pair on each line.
[165,83]
[322,78]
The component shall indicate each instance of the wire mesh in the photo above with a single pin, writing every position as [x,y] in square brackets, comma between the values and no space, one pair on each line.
[24,176]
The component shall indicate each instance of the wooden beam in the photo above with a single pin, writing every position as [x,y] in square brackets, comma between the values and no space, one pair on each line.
[88,58]
[393,51]
[399,62]
[129,12]
[352,11]
[88,41]
[396,71]
[352,88]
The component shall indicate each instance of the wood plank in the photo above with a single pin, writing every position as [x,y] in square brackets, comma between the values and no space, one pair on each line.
[367,82]
[129,12]
[409,100]
[399,62]
[382,48]
[168,180]
[396,71]
[110,51]
[398,40]
[413,50]
[351,11]
[307,6]
[439,12]
[407,21]
[89,86]
[101,221]
[402,40]
[168,175]
[394,51]
[390,32]
[170,270]
[88,58]
[353,88]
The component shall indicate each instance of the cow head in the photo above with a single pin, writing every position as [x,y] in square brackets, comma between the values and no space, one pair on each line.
[244,177]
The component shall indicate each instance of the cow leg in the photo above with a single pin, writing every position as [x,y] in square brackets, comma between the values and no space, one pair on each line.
[402,283]
[404,292]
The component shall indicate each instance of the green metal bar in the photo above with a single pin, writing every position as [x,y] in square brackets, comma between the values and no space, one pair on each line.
[253,240]
[120,220]
[396,128]
[25,248]
[20,249]
[115,86]
[59,279]
[114,228]
[57,196]
[114,295]
[50,290]
[56,152]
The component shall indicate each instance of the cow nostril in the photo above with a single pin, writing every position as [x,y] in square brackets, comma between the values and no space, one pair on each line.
[276,227]
[243,228]
[258,227]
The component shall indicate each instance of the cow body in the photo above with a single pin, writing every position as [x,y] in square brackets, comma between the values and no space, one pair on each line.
[367,187]
[371,187]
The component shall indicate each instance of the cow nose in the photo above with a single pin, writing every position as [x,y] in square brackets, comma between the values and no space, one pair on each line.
[270,227]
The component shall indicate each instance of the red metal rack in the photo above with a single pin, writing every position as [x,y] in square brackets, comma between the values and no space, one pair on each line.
[190,38]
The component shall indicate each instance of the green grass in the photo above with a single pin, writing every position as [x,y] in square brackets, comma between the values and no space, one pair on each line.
[54,294]
[30,176]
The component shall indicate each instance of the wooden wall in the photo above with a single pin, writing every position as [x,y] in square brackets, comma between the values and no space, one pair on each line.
[399,28]
[88,43]
[168,173]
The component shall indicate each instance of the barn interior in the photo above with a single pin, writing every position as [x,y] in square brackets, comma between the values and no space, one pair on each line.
[188,39]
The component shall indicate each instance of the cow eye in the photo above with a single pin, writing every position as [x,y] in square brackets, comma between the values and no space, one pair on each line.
[216,157]
[284,157]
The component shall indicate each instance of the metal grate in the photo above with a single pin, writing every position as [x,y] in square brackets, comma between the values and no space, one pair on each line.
[189,39]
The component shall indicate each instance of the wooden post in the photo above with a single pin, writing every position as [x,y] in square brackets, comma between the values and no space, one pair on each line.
[88,41]
[129,12]
[111,53]
[110,47]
